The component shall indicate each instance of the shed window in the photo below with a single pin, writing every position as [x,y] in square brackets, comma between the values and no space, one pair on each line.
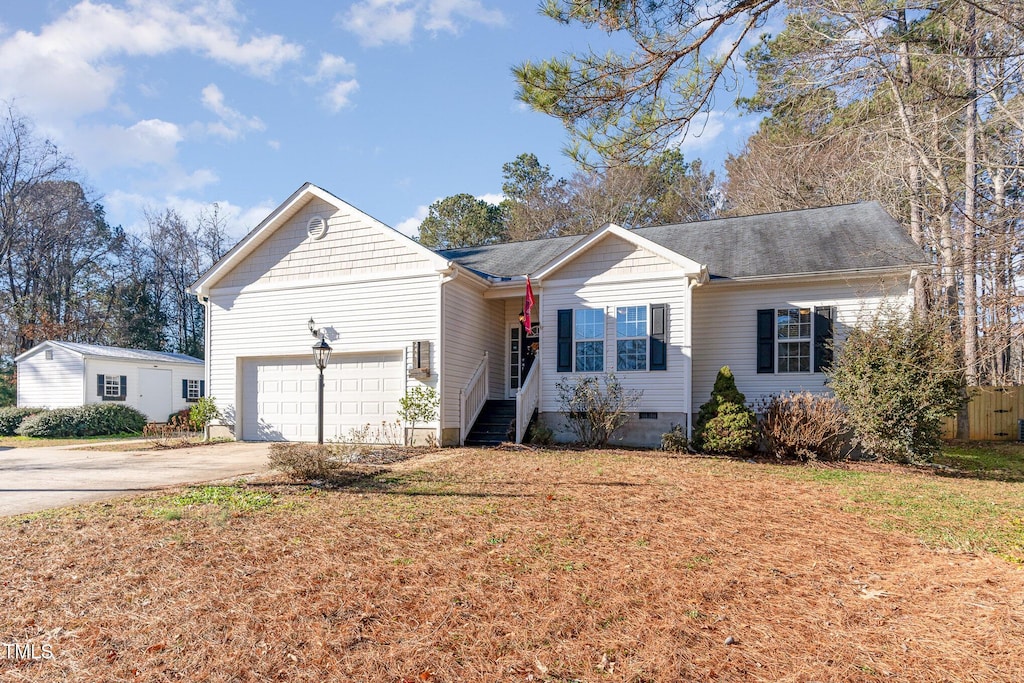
[112,387]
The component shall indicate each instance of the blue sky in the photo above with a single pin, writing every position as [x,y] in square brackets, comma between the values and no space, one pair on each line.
[389,104]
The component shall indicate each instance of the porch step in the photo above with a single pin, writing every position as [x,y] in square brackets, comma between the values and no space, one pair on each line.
[492,427]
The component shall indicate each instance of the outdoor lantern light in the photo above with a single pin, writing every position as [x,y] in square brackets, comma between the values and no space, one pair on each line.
[321,354]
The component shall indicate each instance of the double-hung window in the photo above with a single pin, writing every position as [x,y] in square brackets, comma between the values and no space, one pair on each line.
[631,338]
[111,386]
[588,339]
[641,338]
[793,331]
[794,339]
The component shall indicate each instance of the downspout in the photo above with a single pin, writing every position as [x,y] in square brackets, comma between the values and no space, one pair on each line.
[447,275]
[688,342]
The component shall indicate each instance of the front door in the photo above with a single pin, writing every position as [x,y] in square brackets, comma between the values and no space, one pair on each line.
[514,360]
[520,355]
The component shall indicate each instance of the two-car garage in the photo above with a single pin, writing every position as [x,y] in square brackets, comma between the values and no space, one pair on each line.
[279,395]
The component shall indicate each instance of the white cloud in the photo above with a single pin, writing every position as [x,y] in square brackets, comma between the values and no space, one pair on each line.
[232,124]
[377,22]
[335,68]
[238,220]
[492,198]
[151,141]
[70,67]
[703,132]
[442,15]
[411,226]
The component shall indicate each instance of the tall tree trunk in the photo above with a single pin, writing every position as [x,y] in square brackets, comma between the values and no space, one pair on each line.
[970,320]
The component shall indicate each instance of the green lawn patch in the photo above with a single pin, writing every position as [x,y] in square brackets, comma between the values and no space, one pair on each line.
[39,442]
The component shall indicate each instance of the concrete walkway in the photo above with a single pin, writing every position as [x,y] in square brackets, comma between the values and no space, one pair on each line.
[33,479]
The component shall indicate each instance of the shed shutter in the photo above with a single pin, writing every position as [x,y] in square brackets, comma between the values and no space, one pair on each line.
[823,330]
[184,388]
[565,340]
[99,385]
[124,387]
[202,387]
[766,340]
[659,360]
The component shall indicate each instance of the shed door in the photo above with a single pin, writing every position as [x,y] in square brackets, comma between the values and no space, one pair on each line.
[155,394]
[279,399]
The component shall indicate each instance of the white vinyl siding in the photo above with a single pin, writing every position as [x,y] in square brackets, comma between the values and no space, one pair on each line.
[378,314]
[612,256]
[662,391]
[725,328]
[473,325]
[130,369]
[355,246]
[56,383]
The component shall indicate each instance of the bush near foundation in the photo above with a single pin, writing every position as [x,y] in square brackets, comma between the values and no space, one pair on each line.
[94,419]
[803,426]
[725,424]
[11,418]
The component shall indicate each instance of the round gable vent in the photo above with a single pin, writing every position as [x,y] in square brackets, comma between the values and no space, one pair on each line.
[316,227]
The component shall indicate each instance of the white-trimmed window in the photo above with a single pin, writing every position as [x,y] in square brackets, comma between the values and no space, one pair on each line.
[795,339]
[588,339]
[631,338]
[111,387]
[192,390]
[793,332]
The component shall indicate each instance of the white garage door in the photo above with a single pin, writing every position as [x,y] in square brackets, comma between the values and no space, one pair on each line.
[279,395]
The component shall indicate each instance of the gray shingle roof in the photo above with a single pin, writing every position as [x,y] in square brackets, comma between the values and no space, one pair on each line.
[114,352]
[834,238]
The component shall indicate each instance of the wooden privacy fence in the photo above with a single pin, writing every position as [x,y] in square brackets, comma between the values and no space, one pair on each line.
[993,413]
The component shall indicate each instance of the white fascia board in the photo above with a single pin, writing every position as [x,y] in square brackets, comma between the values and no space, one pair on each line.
[688,266]
[278,217]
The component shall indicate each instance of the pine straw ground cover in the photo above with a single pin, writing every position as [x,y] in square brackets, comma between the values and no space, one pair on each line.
[513,565]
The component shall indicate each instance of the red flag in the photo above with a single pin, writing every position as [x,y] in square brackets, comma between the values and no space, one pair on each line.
[527,305]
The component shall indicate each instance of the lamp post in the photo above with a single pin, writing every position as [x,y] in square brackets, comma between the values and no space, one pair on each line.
[321,354]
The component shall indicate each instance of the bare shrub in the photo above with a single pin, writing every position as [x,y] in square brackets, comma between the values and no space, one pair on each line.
[596,407]
[803,426]
[308,461]
[674,440]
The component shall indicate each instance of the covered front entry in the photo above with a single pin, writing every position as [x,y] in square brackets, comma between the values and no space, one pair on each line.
[279,395]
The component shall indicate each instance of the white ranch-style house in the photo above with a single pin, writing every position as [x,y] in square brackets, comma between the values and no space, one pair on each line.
[664,308]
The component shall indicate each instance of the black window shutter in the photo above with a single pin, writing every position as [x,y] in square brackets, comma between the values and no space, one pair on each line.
[202,387]
[99,385]
[823,330]
[565,340]
[659,355]
[184,388]
[766,340]
[124,386]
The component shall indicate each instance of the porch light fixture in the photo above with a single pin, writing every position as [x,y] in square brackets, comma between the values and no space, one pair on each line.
[321,354]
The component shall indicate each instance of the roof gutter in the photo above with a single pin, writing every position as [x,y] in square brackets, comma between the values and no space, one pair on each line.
[856,272]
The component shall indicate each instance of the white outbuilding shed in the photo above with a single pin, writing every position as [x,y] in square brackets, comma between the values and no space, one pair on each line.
[58,374]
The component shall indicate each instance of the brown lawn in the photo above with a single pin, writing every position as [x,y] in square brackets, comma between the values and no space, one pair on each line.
[506,566]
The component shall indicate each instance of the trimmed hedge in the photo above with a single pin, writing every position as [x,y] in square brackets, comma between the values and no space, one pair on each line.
[94,419]
[12,417]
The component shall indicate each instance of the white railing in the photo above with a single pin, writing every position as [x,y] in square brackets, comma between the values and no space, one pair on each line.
[527,400]
[473,397]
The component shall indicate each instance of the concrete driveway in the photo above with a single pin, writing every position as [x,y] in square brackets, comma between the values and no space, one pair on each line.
[33,479]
